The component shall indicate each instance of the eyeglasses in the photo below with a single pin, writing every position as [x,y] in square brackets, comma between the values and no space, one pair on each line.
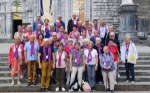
[25,37]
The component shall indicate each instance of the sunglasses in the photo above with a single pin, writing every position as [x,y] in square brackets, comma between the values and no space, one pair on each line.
[25,37]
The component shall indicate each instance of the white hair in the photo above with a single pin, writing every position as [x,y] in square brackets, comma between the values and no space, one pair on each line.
[85,40]
[25,35]
[46,39]
[127,37]
[112,33]
[29,26]
[97,38]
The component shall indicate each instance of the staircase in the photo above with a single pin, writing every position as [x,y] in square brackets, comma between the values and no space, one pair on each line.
[142,77]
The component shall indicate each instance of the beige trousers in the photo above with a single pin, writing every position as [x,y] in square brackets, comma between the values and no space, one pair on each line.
[111,76]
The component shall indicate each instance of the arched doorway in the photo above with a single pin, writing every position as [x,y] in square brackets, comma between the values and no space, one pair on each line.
[16,9]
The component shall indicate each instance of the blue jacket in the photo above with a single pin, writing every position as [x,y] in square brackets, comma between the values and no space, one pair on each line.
[47,34]
[35,25]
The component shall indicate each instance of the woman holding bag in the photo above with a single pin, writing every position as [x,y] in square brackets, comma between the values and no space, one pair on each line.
[128,47]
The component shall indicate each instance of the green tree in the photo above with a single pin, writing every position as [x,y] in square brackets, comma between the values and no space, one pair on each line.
[16,4]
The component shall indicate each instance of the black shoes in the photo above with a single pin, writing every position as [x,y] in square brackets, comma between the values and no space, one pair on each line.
[34,83]
[43,90]
[29,83]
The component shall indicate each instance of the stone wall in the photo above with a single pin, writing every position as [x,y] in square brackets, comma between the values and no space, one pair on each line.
[107,10]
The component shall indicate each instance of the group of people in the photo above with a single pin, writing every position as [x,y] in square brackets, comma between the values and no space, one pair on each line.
[88,52]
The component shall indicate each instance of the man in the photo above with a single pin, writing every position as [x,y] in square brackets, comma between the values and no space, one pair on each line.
[77,38]
[38,21]
[31,52]
[54,36]
[45,60]
[61,33]
[39,30]
[103,29]
[61,22]
[57,27]
[106,38]
[71,22]
[86,23]
[93,38]
[96,27]
[19,32]
[49,33]
[24,28]
[80,27]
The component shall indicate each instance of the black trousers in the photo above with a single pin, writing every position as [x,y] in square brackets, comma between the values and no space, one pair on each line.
[129,70]
[99,77]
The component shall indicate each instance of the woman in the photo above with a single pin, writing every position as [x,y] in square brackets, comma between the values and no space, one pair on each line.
[114,50]
[77,64]
[89,31]
[19,32]
[108,69]
[84,34]
[61,33]
[45,27]
[15,58]
[68,49]
[99,47]
[25,39]
[61,67]
[40,40]
[91,57]
[29,31]
[128,46]
[49,33]
[71,35]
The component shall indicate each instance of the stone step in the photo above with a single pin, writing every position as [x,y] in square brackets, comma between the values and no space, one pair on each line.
[3,58]
[137,79]
[136,67]
[137,72]
[3,63]
[121,86]
[5,68]
[6,40]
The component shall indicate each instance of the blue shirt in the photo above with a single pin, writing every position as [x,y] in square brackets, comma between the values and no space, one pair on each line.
[27,48]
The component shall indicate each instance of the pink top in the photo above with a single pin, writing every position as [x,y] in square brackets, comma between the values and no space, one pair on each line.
[63,57]
[11,56]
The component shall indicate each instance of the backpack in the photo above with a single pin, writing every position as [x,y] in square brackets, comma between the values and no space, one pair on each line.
[86,87]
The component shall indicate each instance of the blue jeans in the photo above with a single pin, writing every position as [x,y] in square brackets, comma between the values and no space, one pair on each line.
[91,75]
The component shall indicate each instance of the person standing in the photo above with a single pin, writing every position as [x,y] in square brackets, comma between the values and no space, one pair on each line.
[108,70]
[61,22]
[103,29]
[19,32]
[99,47]
[15,58]
[29,31]
[80,27]
[50,32]
[71,22]
[77,38]
[40,40]
[39,30]
[128,46]
[38,21]
[95,23]
[45,27]
[77,65]
[61,66]
[93,38]
[65,40]
[86,24]
[91,57]
[31,54]
[45,61]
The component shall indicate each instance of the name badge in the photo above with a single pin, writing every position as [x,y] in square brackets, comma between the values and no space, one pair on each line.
[46,56]
[104,63]
[75,60]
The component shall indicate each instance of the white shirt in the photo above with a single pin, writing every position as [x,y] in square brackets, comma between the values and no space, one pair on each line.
[103,31]
[94,54]
[19,51]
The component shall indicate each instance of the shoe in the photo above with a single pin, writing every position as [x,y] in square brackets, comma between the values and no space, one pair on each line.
[57,89]
[119,76]
[46,89]
[106,90]
[41,90]
[12,83]
[71,90]
[132,82]
[67,82]
[34,83]
[127,81]
[115,83]
[29,83]
[19,83]
[112,91]
[63,89]
[79,90]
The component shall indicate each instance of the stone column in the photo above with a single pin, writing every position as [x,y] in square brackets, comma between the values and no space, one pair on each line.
[9,25]
[3,26]
[128,22]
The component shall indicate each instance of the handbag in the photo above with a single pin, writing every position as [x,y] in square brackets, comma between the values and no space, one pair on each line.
[86,87]
[131,58]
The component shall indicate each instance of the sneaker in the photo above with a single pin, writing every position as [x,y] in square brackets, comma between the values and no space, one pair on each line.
[19,83]
[119,76]
[12,83]
[112,91]
[127,81]
[71,90]
[115,82]
[63,89]
[46,89]
[67,82]
[79,90]
[106,90]
[132,82]
[57,89]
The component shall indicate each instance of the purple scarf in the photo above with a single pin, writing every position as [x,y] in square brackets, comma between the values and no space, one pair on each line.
[49,54]
[16,53]
[57,29]
[89,59]
[59,59]
[96,27]
[32,51]
[30,33]
[77,39]
[46,28]
[38,21]
[76,22]
[61,36]
[99,49]
[110,48]
[39,42]
[77,58]
[65,42]
[37,33]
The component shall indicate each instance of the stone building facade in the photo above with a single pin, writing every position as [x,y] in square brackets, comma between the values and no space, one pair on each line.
[93,9]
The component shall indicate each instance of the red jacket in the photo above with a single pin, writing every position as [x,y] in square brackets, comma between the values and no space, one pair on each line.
[11,54]
[114,51]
